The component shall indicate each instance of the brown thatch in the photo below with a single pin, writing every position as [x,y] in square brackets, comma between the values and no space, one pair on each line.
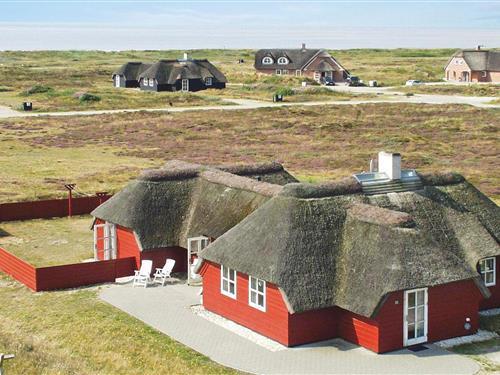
[351,250]
[166,206]
[441,179]
[327,189]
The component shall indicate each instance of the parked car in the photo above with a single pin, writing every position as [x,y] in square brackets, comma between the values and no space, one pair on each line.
[328,81]
[414,82]
[354,81]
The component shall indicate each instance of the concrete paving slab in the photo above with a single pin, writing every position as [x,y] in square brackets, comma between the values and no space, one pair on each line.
[167,309]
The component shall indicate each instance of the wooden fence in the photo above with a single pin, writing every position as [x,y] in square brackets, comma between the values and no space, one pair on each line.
[44,209]
[65,276]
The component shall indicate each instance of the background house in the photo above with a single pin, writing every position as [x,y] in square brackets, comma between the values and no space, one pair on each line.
[385,260]
[170,75]
[474,66]
[317,64]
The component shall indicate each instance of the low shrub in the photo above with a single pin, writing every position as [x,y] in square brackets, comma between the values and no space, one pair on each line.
[38,89]
[86,97]
[5,89]
[285,91]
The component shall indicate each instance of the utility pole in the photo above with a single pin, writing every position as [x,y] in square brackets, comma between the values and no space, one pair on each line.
[2,358]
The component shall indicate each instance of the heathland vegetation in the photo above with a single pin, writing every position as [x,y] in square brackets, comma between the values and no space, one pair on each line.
[63,80]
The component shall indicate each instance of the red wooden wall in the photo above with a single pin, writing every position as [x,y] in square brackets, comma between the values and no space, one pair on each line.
[273,323]
[448,307]
[18,269]
[494,300]
[81,274]
[48,208]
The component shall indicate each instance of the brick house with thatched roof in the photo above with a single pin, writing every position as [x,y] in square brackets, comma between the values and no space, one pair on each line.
[384,259]
[317,64]
[476,65]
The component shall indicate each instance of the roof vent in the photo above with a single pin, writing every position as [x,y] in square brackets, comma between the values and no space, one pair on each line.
[303,47]
[389,178]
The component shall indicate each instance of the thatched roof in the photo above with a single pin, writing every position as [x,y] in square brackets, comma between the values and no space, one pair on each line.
[483,60]
[332,245]
[131,70]
[169,71]
[297,58]
[166,206]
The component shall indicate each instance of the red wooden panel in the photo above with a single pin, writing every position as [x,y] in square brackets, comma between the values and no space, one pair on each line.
[311,326]
[494,300]
[18,269]
[358,330]
[159,257]
[47,208]
[81,274]
[272,323]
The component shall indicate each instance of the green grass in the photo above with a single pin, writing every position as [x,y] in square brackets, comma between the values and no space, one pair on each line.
[49,242]
[70,72]
[465,90]
[322,142]
[477,350]
[73,332]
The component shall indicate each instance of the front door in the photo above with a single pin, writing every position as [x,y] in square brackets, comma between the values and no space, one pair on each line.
[105,241]
[117,80]
[185,85]
[415,317]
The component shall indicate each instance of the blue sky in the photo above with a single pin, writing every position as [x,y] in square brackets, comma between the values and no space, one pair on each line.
[118,25]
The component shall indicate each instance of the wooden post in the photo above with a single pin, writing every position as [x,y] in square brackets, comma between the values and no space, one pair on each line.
[101,195]
[70,188]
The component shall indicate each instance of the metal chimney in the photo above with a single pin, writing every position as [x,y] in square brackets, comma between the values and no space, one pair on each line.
[303,46]
[390,164]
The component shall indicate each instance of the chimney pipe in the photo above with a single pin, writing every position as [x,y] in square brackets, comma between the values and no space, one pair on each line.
[390,164]
[478,48]
[303,46]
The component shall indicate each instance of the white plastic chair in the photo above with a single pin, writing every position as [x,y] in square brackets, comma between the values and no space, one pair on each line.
[194,276]
[162,274]
[143,276]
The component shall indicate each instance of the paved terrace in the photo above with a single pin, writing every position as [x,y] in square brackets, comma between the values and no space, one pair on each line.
[167,309]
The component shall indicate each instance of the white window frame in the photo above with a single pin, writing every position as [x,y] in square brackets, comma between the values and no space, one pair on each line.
[282,61]
[278,72]
[483,271]
[208,81]
[420,339]
[266,60]
[257,293]
[298,73]
[108,239]
[195,245]
[185,85]
[229,281]
[145,81]
[151,82]
[284,71]
[484,74]
[117,80]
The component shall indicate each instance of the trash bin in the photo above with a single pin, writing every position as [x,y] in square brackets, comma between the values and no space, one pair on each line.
[27,106]
[277,98]
[372,83]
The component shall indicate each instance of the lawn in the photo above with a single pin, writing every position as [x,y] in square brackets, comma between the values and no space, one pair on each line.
[49,242]
[63,75]
[464,90]
[315,143]
[73,332]
[477,351]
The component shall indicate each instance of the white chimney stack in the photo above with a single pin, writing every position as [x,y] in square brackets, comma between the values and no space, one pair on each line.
[390,164]
[303,46]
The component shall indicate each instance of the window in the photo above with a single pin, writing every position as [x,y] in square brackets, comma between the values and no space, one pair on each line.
[485,74]
[208,81]
[228,282]
[151,82]
[487,269]
[298,73]
[278,72]
[284,71]
[267,60]
[185,85]
[145,81]
[282,61]
[257,293]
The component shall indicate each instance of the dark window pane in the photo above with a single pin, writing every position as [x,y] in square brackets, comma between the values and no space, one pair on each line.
[261,300]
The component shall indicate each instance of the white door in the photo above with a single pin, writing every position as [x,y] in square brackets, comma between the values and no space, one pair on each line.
[105,241]
[117,80]
[415,317]
[195,245]
[185,85]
